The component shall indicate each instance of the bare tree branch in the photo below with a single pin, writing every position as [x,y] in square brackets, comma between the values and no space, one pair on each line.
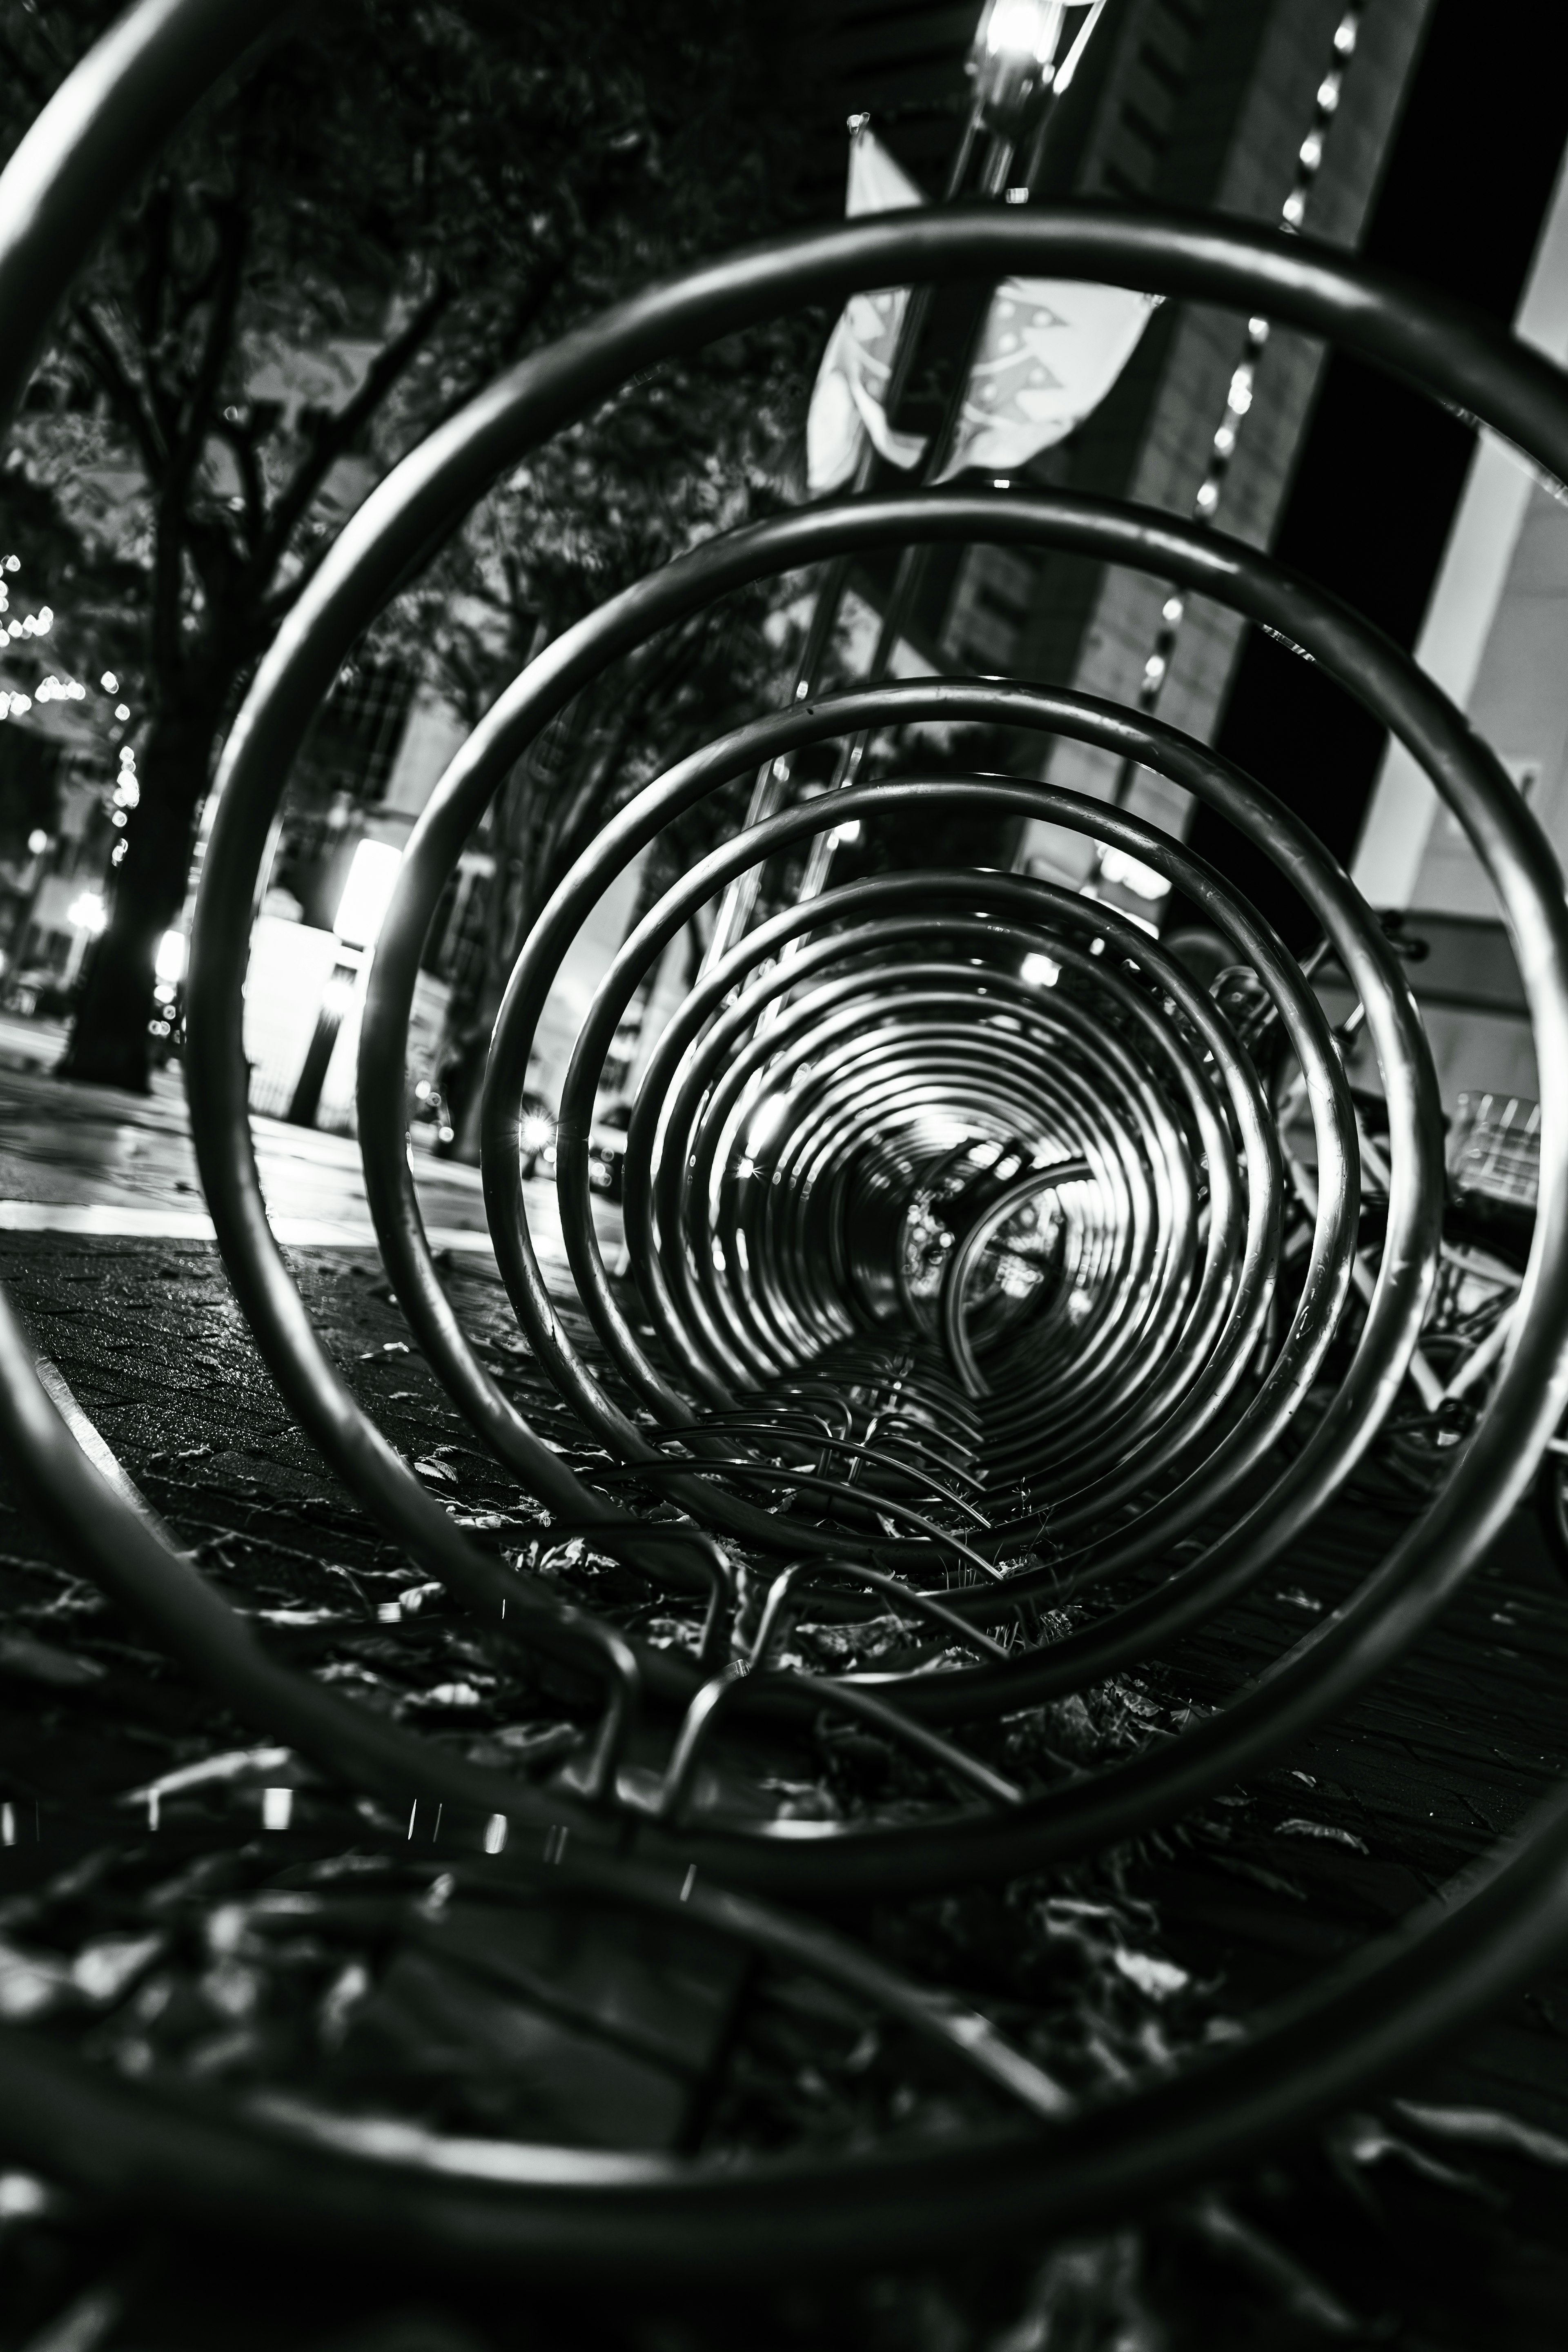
[225,280]
[181,534]
[97,348]
[244,446]
[650,670]
[334,436]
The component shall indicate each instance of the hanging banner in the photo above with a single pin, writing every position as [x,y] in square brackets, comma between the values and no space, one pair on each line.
[850,402]
[1049,352]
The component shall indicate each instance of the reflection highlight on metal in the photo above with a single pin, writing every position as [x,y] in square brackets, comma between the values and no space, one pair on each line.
[960,1319]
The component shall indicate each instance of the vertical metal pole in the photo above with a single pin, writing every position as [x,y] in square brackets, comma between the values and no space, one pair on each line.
[336,998]
[740,899]
[738,903]
[995,174]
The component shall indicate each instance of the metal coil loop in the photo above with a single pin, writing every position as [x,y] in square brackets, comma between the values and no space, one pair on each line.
[969,1288]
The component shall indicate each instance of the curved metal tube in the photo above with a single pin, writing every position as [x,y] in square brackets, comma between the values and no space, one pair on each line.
[825,1154]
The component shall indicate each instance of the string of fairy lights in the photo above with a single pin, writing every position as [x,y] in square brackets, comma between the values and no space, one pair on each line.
[89,913]
[14,628]
[1243,380]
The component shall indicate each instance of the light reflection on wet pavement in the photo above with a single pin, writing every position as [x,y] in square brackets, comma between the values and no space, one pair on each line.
[90,1160]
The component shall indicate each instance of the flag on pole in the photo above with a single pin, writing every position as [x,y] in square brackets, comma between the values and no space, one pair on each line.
[850,396]
[1049,352]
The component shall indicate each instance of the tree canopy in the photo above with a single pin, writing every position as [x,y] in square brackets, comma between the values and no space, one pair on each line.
[392,202]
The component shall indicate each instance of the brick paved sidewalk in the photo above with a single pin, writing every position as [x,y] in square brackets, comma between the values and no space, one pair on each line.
[1449,2233]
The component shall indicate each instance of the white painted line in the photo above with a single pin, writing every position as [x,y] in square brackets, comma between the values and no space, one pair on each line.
[96,1446]
[96,1217]
[116,1221]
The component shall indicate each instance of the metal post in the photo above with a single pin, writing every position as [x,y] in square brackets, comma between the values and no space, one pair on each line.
[336,998]
[1015,98]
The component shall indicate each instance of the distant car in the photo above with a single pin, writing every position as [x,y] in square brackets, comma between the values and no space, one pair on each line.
[607,1150]
[429,1111]
[36,995]
[166,1022]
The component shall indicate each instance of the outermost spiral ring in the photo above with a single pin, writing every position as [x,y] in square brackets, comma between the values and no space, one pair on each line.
[1382,2007]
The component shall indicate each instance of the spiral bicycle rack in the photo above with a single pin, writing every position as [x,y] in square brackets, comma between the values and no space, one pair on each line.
[988,1343]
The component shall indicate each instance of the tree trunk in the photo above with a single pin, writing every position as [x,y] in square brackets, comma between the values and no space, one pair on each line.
[509,912]
[109,1045]
[466,1085]
[558,778]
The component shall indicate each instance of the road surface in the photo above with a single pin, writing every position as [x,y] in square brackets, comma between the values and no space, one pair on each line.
[91,1160]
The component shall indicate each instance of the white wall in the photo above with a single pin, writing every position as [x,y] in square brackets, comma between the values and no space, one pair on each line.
[290,964]
[587,961]
[1491,637]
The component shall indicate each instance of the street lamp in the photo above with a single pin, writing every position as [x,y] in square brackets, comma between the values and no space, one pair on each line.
[1013,62]
[89,919]
[362,911]
[367,894]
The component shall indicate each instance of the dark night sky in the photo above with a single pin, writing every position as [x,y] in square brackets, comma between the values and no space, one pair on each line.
[1460,208]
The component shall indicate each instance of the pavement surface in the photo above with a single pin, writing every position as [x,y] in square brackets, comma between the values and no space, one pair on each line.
[91,1160]
[1440,2225]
